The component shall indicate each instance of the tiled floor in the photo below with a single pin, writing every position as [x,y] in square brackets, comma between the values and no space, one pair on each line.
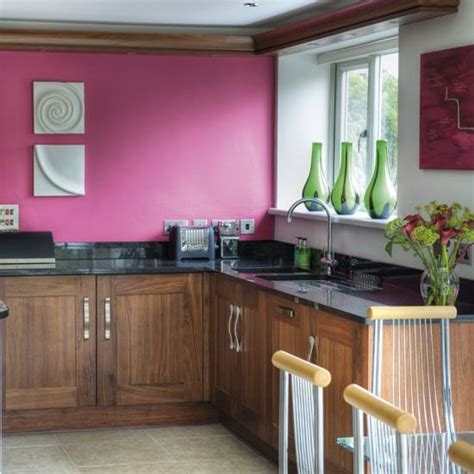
[168,450]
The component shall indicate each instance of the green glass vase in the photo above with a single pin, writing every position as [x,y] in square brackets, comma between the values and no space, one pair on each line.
[344,197]
[380,198]
[316,184]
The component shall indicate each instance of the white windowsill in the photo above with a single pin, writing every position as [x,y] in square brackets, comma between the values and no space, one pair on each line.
[359,219]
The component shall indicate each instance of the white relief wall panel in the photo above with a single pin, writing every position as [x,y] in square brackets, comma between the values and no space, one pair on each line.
[59,170]
[58,107]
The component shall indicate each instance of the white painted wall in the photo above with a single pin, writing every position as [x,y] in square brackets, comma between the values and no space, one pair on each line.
[415,186]
[302,118]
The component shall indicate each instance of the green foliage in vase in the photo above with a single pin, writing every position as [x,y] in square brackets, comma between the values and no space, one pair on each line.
[435,234]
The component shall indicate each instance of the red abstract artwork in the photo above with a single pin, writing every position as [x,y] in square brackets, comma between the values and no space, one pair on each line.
[447,109]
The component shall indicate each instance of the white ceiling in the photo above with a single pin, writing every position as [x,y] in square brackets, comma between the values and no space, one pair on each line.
[230,13]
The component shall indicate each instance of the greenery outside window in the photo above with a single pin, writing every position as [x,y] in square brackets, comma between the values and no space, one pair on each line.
[366,110]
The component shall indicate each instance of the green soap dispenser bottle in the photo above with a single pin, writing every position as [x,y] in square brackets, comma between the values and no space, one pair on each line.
[304,255]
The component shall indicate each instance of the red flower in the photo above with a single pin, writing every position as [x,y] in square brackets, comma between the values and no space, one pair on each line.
[447,234]
[439,222]
[412,222]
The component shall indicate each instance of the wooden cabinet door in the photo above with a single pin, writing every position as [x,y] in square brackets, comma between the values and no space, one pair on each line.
[224,307]
[49,357]
[289,330]
[341,349]
[154,351]
[250,393]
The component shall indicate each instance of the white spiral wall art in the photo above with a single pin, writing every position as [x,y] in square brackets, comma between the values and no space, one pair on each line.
[58,107]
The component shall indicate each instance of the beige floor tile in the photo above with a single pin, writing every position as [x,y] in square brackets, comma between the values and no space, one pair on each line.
[221,448]
[125,437]
[29,440]
[50,470]
[52,459]
[241,466]
[154,468]
[188,431]
[107,453]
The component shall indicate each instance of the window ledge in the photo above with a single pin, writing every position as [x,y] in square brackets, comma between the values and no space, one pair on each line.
[359,219]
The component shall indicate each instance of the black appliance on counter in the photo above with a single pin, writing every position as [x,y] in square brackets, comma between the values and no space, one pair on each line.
[26,250]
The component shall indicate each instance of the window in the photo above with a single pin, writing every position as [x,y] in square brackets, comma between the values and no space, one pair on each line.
[366,111]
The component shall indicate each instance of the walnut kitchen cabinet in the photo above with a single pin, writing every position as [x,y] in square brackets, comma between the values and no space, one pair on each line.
[289,329]
[342,348]
[150,339]
[50,338]
[239,335]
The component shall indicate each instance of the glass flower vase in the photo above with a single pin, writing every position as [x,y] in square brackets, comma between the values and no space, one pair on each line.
[344,197]
[439,287]
[380,198]
[316,184]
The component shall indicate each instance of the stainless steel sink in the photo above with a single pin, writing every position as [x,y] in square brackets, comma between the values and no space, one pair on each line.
[272,270]
[310,281]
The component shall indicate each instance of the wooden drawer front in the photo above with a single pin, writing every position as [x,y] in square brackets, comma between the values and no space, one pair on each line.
[49,362]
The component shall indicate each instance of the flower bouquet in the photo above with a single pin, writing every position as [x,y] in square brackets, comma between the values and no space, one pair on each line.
[435,234]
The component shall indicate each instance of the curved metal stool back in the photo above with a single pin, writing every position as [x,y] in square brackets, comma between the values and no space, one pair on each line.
[413,373]
[307,383]
[462,454]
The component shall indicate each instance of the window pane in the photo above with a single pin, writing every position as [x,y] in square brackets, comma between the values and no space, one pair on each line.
[355,118]
[389,109]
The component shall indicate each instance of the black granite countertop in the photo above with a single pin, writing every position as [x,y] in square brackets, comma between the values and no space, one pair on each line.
[377,283]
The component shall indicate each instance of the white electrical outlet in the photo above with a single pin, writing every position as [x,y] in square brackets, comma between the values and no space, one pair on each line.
[247,226]
[216,222]
[9,217]
[200,222]
[167,224]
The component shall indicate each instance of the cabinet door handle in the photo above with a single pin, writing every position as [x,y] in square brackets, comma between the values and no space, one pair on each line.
[311,344]
[229,327]
[286,311]
[107,319]
[238,345]
[86,318]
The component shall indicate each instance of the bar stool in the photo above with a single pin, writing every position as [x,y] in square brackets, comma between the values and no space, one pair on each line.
[395,423]
[307,383]
[462,454]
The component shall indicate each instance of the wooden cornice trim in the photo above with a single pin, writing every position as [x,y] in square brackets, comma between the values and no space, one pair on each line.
[357,16]
[349,18]
[125,42]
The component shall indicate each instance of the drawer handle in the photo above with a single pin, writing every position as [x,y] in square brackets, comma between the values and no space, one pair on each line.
[86,318]
[107,319]
[286,311]
[311,345]
[238,345]
[229,327]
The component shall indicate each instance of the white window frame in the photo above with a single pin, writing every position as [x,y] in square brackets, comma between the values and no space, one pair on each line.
[337,132]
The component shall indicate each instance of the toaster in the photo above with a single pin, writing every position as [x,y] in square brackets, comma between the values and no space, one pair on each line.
[192,242]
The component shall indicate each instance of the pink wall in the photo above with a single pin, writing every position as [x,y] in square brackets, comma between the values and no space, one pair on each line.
[166,137]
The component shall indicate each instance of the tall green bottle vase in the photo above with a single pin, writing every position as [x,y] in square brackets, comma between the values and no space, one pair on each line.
[316,184]
[344,197]
[380,198]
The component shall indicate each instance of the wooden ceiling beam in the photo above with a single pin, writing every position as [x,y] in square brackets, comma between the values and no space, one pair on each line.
[125,42]
[361,16]
[356,16]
